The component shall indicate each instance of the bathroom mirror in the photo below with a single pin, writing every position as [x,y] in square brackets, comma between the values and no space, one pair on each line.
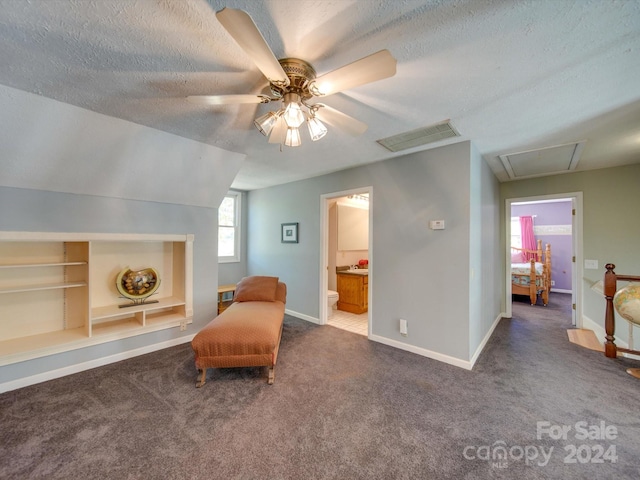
[353,228]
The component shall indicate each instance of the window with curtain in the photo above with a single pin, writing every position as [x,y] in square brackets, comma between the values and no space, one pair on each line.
[229,228]
[527,236]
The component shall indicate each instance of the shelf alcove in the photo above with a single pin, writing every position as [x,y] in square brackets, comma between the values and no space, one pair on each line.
[58,292]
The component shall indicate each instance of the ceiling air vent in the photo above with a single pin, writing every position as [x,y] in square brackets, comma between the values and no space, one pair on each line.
[421,136]
[544,161]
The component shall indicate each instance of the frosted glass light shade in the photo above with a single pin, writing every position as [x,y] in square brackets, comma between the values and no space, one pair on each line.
[317,130]
[279,131]
[293,138]
[266,122]
[292,112]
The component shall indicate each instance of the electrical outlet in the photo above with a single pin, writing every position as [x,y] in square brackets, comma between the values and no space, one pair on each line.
[403,327]
[553,283]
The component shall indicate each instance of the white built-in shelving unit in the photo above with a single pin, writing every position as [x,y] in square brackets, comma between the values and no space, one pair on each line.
[58,291]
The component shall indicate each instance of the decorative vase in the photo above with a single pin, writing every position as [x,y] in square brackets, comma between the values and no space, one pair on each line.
[138,285]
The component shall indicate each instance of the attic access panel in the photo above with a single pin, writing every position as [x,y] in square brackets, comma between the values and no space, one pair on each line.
[543,161]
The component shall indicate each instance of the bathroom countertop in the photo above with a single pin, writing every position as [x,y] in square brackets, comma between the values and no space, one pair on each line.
[361,271]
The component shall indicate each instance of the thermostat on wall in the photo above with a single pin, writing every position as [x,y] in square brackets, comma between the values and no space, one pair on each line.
[436,224]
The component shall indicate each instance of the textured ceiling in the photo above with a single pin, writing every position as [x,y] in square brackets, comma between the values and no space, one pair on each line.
[511,76]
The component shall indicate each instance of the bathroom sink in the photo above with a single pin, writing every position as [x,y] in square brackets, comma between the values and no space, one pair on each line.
[360,271]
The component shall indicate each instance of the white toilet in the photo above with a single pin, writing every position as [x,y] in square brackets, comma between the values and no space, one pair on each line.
[332,300]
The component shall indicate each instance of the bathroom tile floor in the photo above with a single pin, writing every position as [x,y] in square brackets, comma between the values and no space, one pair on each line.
[349,321]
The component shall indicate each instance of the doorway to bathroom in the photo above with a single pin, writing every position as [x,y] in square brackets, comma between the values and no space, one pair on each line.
[346,260]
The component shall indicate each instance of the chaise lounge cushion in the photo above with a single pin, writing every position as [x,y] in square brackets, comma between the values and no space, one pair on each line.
[256,289]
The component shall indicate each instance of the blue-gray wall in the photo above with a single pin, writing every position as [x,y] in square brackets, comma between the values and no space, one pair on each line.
[486,280]
[418,274]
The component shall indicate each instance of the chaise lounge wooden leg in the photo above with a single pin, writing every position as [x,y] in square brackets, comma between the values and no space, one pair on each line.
[203,378]
[272,375]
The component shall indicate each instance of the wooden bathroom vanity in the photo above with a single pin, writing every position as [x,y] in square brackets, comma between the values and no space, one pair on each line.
[353,291]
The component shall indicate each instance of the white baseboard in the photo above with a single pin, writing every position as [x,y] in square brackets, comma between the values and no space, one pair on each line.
[302,316]
[99,362]
[400,345]
[457,362]
[486,338]
[560,290]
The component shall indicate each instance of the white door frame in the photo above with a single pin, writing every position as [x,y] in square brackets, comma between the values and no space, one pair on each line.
[324,249]
[576,270]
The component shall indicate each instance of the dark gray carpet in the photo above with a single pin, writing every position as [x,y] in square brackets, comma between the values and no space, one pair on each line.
[342,407]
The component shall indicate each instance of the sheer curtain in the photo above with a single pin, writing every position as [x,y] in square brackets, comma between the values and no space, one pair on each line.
[528,238]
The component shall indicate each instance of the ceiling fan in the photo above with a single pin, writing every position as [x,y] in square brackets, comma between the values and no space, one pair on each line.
[294,82]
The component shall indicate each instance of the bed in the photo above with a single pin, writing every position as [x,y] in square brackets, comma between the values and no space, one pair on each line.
[533,277]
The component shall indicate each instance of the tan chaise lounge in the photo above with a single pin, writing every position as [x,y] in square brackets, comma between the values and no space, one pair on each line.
[247,334]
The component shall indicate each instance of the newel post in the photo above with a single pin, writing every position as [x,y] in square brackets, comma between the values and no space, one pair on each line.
[610,349]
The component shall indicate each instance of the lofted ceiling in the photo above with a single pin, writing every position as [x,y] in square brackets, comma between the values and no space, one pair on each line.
[510,76]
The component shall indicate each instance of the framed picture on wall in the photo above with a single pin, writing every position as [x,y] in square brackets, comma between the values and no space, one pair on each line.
[289,233]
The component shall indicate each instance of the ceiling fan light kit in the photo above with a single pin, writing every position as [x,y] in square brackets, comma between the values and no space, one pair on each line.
[293,82]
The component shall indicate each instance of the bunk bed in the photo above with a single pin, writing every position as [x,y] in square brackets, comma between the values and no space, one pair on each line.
[531,277]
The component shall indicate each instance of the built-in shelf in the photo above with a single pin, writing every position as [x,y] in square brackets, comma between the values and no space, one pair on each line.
[39,265]
[58,292]
[47,286]
[116,310]
[41,345]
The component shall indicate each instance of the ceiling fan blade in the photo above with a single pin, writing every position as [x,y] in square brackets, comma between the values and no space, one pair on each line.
[246,34]
[340,120]
[227,99]
[366,70]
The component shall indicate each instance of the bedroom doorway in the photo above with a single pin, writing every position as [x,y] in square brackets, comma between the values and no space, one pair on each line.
[557,221]
[351,313]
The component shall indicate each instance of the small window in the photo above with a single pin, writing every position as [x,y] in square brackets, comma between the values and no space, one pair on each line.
[516,236]
[229,228]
